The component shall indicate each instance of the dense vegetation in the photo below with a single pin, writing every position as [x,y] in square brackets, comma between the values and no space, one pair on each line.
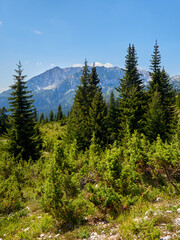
[98,162]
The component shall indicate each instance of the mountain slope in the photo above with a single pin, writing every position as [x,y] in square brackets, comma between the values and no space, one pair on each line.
[58,85]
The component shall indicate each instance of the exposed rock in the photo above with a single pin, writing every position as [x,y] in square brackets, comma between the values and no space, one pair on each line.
[159,199]
[168,211]
[27,229]
[57,235]
[166,238]
[178,210]
[177,221]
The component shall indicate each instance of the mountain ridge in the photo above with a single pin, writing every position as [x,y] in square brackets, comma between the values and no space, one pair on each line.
[58,85]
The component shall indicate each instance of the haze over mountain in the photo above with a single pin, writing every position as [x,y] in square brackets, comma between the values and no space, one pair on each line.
[58,85]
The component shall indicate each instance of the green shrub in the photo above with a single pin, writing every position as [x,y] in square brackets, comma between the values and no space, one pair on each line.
[105,198]
[10,195]
[164,162]
[59,194]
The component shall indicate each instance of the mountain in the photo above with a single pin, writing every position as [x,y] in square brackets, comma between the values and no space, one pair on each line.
[176,82]
[58,85]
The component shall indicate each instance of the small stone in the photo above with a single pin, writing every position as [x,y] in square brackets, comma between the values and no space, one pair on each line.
[177,221]
[39,217]
[178,210]
[137,219]
[50,237]
[114,237]
[166,238]
[57,235]
[103,232]
[28,208]
[168,211]
[159,199]
[27,229]
[42,235]
[146,218]
[94,234]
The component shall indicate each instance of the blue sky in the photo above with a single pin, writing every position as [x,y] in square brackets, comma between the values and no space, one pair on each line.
[47,33]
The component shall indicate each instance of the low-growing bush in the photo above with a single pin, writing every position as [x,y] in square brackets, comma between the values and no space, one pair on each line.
[10,195]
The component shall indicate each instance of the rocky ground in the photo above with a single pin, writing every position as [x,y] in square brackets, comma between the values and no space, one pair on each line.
[164,215]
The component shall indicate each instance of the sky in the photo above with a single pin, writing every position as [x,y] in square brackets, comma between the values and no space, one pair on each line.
[43,34]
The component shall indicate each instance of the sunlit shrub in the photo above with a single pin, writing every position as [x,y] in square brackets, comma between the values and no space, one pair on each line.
[10,195]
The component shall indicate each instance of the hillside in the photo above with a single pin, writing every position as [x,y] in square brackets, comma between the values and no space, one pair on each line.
[58,85]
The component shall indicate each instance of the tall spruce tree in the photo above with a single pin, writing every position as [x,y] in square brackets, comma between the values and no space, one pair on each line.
[155,118]
[178,100]
[112,119]
[24,141]
[41,118]
[97,110]
[131,95]
[93,82]
[59,115]
[3,120]
[155,72]
[51,116]
[78,124]
[88,114]
[160,84]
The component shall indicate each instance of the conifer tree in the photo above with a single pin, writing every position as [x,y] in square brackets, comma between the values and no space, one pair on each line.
[51,116]
[59,115]
[98,118]
[46,119]
[24,141]
[89,111]
[131,95]
[160,84]
[78,124]
[155,118]
[97,110]
[3,120]
[155,73]
[112,118]
[93,82]
[178,100]
[41,118]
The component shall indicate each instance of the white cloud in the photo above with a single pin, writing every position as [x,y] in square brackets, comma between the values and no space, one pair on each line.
[39,64]
[37,32]
[78,65]
[52,64]
[0,22]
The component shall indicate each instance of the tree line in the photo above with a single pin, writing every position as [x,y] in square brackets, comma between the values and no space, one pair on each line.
[150,111]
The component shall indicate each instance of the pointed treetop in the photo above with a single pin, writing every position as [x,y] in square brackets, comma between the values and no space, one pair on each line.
[19,71]
[85,75]
[156,59]
[94,80]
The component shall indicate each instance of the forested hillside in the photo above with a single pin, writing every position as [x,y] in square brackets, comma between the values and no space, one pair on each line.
[106,170]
